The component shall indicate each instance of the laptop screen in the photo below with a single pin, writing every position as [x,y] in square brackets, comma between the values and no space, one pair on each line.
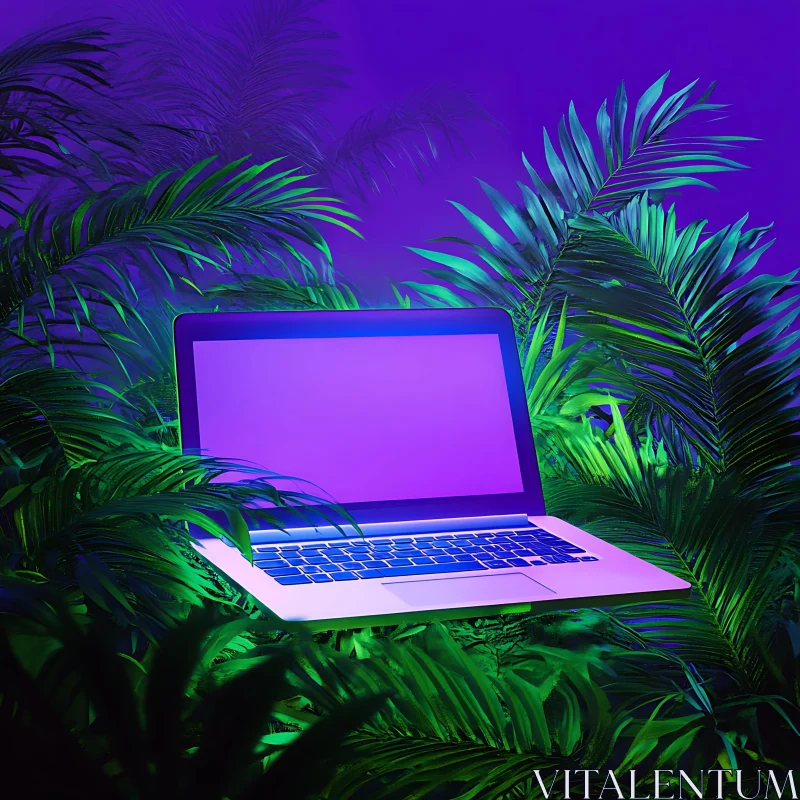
[364,419]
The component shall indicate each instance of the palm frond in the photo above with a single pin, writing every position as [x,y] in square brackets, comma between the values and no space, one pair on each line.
[118,527]
[311,289]
[409,132]
[522,273]
[258,86]
[41,408]
[254,86]
[449,724]
[45,127]
[166,738]
[563,379]
[690,524]
[55,273]
[712,351]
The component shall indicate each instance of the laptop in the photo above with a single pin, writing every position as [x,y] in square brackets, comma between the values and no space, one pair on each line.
[415,421]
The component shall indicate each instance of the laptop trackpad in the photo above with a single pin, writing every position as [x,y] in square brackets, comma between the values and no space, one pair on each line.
[478,590]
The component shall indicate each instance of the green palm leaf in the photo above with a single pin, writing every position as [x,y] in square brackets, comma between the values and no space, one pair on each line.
[448,723]
[116,527]
[45,129]
[55,272]
[689,524]
[165,736]
[522,273]
[562,380]
[712,351]
[312,289]
[43,407]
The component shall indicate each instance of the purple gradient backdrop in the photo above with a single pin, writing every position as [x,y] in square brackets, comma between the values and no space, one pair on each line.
[524,60]
[390,417]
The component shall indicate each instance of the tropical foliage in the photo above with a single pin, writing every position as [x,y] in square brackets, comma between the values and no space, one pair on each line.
[660,379]
[259,84]
[683,442]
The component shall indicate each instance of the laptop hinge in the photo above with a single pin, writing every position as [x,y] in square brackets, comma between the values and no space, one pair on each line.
[395,528]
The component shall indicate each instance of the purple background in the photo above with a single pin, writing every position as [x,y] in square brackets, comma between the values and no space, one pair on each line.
[524,60]
[389,417]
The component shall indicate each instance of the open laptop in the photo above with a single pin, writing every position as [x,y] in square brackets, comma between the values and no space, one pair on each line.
[415,422]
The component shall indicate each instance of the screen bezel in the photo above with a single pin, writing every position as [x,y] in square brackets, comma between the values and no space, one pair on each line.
[220,326]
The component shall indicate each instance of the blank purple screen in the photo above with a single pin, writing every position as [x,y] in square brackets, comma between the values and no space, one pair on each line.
[365,419]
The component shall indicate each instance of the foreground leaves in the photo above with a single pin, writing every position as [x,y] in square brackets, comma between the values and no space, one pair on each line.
[153,732]
[691,525]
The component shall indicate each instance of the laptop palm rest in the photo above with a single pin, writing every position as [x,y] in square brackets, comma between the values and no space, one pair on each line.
[478,590]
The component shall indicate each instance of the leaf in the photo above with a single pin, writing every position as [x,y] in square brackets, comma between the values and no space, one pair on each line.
[223,211]
[655,159]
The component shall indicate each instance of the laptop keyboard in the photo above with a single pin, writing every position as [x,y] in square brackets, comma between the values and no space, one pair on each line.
[365,559]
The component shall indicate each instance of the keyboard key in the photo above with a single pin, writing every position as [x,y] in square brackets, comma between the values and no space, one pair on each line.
[314,545]
[344,576]
[588,558]
[296,562]
[291,580]
[445,536]
[422,560]
[539,563]
[361,556]
[423,538]
[350,565]
[554,559]
[498,564]
[265,548]
[379,547]
[271,564]
[517,562]
[466,558]
[317,560]
[282,572]
[472,549]
[287,547]
[443,559]
[569,548]
[309,570]
[398,562]
[404,540]
[331,568]
[374,564]
[523,553]
[431,569]
[321,577]
[340,559]
[369,573]
[454,551]
[272,555]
